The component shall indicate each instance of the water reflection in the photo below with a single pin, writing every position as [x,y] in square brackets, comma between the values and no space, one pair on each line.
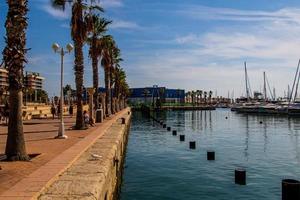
[161,167]
[246,153]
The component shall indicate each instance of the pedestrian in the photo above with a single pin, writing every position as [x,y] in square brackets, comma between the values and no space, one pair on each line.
[6,112]
[71,110]
[87,119]
[53,110]
[58,111]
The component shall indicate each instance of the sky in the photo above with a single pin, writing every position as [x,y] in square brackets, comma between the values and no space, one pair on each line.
[190,44]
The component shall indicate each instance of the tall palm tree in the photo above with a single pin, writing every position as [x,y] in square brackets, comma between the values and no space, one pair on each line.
[200,94]
[14,60]
[205,97]
[210,95]
[110,61]
[120,83]
[108,44]
[94,40]
[116,59]
[80,26]
[193,97]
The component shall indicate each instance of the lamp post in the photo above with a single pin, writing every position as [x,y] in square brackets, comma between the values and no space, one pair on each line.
[62,52]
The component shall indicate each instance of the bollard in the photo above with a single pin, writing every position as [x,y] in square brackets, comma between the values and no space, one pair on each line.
[164,126]
[181,138]
[240,176]
[161,123]
[99,115]
[193,145]
[290,189]
[174,132]
[169,128]
[210,155]
[260,122]
[226,117]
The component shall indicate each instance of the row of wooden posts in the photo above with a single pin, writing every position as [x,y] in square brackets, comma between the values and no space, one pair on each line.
[290,187]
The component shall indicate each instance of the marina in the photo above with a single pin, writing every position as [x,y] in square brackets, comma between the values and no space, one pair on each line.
[160,166]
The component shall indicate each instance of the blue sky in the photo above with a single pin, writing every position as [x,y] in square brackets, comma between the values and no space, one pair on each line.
[190,44]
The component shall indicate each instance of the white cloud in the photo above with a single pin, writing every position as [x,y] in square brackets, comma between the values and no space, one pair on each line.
[190,38]
[56,13]
[111,3]
[122,24]
[65,25]
[214,59]
[210,13]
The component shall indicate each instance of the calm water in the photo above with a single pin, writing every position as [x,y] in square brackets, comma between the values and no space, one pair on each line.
[158,166]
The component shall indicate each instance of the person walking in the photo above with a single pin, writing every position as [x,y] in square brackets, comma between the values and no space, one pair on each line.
[6,112]
[71,110]
[53,110]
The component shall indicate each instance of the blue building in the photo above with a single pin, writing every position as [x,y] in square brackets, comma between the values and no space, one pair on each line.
[151,94]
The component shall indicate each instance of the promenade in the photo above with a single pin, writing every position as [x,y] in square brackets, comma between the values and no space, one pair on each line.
[23,180]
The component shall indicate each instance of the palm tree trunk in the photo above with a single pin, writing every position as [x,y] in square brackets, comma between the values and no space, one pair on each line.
[14,59]
[112,104]
[107,96]
[95,81]
[78,68]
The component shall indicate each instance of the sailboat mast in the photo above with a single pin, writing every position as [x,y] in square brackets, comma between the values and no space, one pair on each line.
[291,93]
[246,81]
[265,88]
[297,84]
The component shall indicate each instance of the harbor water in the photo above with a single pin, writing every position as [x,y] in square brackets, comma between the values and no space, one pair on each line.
[159,167]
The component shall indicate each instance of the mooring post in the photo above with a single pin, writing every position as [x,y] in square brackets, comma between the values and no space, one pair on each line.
[164,125]
[210,155]
[181,138]
[174,132]
[169,128]
[290,189]
[192,144]
[240,176]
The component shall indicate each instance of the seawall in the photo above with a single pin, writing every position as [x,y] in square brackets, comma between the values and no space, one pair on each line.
[96,174]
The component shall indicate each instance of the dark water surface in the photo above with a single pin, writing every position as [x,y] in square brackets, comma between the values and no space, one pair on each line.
[158,166]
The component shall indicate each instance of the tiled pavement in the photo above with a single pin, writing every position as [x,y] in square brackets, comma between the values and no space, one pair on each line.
[22,180]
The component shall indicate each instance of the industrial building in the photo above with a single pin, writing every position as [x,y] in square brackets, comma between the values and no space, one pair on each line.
[151,94]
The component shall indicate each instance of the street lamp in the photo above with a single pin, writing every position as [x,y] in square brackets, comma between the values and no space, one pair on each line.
[57,49]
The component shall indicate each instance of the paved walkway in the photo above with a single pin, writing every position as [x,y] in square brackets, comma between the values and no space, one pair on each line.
[24,179]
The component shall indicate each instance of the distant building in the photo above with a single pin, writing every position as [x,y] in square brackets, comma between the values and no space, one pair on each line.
[151,94]
[33,80]
[3,78]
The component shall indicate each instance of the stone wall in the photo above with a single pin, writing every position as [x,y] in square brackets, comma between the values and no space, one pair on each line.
[96,174]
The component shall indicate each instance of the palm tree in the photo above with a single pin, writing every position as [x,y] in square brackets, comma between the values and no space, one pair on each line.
[193,97]
[116,59]
[14,60]
[80,26]
[108,44]
[205,96]
[200,94]
[210,95]
[94,40]
[188,95]
[120,83]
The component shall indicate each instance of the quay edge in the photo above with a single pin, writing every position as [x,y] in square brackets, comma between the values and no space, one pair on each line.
[97,173]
